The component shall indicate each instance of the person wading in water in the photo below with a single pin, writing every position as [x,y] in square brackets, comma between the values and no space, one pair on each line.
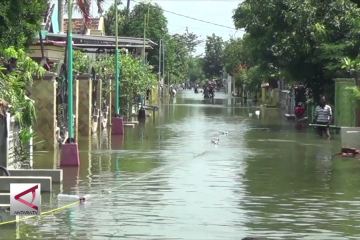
[299,114]
[323,116]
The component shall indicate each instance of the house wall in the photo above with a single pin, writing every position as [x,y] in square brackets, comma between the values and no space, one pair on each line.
[43,92]
[345,108]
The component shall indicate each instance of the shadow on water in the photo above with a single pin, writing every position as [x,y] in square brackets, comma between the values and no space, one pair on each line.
[266,178]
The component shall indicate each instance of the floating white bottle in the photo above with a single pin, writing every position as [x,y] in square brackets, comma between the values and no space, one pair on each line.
[73,198]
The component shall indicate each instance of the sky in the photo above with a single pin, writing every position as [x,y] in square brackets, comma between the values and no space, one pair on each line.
[215,11]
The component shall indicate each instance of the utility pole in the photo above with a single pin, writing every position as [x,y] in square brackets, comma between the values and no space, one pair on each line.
[233,82]
[70,73]
[117,72]
[160,53]
[163,58]
[144,55]
[169,79]
[117,127]
[70,150]
[128,7]
[159,83]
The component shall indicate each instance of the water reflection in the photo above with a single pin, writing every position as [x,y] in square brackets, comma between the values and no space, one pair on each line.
[264,179]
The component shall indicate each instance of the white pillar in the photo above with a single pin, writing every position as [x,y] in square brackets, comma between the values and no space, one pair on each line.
[229,82]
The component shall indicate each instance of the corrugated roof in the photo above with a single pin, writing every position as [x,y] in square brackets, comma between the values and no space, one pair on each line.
[110,46]
[102,39]
[134,38]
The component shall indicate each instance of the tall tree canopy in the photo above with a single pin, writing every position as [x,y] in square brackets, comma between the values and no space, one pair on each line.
[19,21]
[302,40]
[109,17]
[233,55]
[195,69]
[178,47]
[133,26]
[190,39]
[178,54]
[213,60]
[176,57]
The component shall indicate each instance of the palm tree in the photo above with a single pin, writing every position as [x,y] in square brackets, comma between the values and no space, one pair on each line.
[84,8]
[81,6]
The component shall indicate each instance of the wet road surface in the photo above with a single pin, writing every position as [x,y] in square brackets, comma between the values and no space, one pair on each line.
[169,182]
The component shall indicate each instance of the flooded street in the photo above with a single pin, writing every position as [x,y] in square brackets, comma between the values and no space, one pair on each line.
[264,179]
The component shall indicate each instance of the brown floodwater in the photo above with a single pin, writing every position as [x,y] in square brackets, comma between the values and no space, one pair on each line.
[265,178]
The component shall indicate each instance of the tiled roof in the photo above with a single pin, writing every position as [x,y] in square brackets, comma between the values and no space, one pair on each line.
[78,24]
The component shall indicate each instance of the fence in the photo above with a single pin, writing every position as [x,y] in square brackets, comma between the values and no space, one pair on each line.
[283,96]
[287,101]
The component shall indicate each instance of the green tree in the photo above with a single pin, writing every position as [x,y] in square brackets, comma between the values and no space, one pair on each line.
[302,40]
[233,55]
[156,27]
[19,22]
[109,18]
[135,77]
[195,73]
[190,39]
[213,60]
[178,54]
[176,58]
[17,71]
[20,70]
[84,8]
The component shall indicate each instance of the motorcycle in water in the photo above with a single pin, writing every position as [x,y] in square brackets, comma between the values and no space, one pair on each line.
[209,93]
[172,92]
[206,93]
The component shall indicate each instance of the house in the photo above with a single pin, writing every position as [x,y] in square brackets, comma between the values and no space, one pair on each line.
[96,26]
[91,40]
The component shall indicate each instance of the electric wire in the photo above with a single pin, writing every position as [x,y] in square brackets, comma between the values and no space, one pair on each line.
[195,19]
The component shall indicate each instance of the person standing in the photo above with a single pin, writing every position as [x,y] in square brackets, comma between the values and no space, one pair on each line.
[300,111]
[323,116]
[255,100]
[299,115]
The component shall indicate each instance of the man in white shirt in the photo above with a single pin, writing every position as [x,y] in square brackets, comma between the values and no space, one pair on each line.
[323,116]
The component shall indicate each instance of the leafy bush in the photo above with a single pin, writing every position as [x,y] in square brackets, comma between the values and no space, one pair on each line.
[135,77]
[17,71]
